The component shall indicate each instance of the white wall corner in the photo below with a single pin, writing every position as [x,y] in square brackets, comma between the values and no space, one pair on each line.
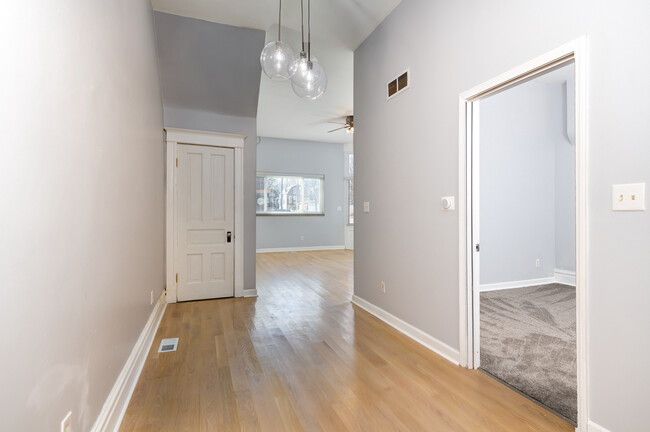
[565,277]
[435,345]
[516,284]
[114,408]
[593,427]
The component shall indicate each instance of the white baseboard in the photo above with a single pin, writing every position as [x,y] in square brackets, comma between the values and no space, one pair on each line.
[593,427]
[250,292]
[114,408]
[414,333]
[300,249]
[516,284]
[565,277]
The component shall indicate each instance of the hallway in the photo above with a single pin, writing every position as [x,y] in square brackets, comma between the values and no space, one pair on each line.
[301,357]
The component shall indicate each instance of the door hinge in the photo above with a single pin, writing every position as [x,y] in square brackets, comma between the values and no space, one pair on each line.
[477,247]
[177,162]
[176,277]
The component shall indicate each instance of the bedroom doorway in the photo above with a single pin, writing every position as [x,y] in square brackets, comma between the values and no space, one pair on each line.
[525,227]
[499,229]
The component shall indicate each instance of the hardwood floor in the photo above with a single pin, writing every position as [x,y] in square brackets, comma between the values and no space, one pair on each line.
[301,357]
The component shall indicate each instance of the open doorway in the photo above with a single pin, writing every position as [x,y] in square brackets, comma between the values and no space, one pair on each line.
[525,206]
[500,309]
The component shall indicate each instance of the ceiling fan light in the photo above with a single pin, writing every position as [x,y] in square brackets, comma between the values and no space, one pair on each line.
[276,58]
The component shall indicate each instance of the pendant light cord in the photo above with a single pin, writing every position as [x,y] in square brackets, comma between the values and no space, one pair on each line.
[302,25]
[279,20]
[308,30]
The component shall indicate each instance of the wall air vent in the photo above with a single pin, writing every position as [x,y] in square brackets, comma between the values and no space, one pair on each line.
[168,345]
[398,85]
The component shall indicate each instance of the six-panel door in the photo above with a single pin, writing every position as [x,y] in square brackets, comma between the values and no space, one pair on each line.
[205,212]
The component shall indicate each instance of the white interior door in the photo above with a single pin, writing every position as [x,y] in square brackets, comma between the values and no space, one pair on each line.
[205,224]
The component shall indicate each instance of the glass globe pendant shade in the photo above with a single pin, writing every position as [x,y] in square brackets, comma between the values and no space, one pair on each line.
[313,86]
[303,71]
[276,58]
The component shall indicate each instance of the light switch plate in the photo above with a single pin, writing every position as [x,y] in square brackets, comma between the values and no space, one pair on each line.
[628,197]
[366,206]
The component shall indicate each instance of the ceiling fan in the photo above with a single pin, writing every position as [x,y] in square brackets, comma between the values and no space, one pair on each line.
[348,125]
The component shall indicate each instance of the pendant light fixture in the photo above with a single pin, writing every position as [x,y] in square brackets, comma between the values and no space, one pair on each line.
[308,78]
[277,56]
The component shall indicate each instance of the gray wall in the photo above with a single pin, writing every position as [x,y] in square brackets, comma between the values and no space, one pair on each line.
[208,66]
[83,204]
[523,211]
[210,77]
[303,157]
[207,121]
[408,148]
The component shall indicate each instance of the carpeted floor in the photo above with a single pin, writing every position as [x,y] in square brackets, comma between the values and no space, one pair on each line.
[528,340]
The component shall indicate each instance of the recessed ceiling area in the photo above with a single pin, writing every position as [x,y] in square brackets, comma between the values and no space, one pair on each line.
[345,22]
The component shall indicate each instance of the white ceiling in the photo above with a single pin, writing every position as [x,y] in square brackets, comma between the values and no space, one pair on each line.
[345,22]
[282,114]
[338,27]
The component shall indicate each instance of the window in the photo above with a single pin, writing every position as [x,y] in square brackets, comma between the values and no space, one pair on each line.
[350,202]
[289,194]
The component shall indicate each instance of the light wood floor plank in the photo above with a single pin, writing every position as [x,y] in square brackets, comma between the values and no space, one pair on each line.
[301,357]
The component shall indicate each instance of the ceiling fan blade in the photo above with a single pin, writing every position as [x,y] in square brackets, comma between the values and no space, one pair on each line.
[336,123]
[334,130]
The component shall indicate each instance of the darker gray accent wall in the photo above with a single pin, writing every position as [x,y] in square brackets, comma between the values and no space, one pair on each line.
[208,66]
[303,157]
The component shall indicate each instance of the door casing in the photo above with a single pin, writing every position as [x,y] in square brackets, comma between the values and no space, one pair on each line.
[174,137]
[574,51]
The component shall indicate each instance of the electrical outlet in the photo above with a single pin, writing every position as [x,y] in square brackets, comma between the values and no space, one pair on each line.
[382,287]
[302,237]
[151,297]
[66,423]
[538,262]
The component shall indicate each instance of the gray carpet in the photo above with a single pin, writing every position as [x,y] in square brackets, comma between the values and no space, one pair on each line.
[528,340]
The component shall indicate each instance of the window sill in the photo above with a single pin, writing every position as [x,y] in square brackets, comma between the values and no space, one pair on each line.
[289,214]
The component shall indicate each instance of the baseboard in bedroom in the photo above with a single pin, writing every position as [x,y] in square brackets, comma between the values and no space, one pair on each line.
[516,284]
[565,277]
[300,249]
[250,292]
[414,333]
[112,412]
[593,427]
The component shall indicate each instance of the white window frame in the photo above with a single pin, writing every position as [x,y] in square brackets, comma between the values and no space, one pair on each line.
[320,177]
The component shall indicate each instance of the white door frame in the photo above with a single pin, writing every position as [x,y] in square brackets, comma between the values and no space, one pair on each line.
[213,139]
[468,304]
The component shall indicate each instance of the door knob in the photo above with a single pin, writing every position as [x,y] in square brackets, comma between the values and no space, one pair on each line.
[228,236]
